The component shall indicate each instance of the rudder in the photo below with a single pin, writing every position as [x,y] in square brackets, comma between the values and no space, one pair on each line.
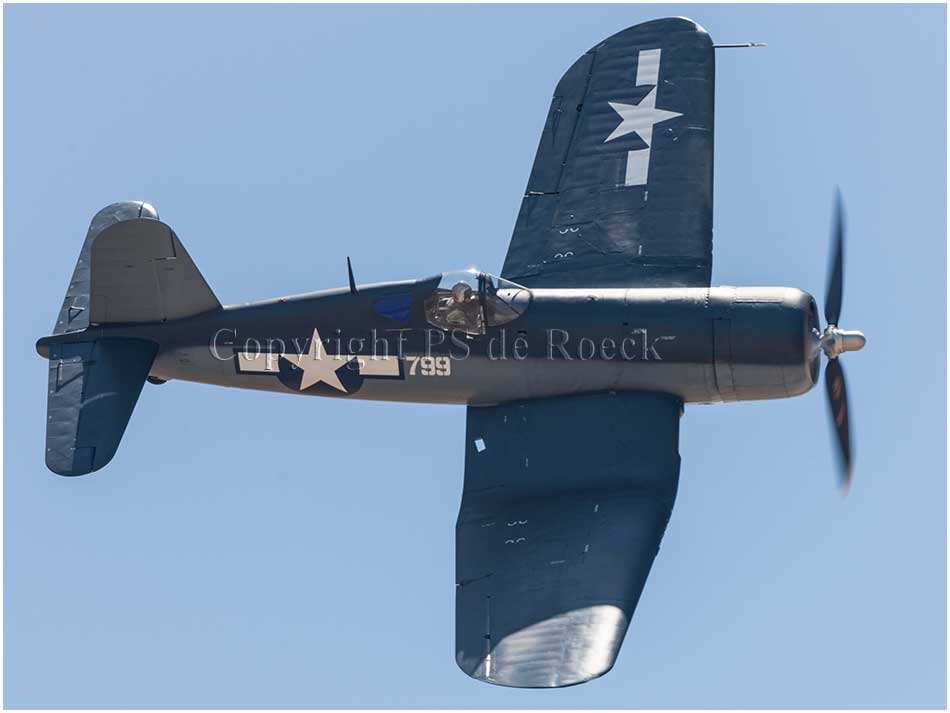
[74,314]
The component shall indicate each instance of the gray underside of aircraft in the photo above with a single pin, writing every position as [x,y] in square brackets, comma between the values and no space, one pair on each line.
[574,364]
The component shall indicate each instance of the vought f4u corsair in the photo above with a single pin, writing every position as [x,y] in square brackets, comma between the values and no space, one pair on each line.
[574,364]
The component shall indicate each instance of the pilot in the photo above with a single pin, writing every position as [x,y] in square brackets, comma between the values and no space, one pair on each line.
[463,307]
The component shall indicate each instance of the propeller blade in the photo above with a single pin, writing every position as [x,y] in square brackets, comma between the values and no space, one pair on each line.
[838,402]
[836,276]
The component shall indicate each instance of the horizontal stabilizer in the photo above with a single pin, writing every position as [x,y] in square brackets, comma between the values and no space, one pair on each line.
[93,387]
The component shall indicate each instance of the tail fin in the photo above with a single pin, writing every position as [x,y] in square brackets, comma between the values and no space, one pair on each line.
[93,387]
[74,314]
[132,268]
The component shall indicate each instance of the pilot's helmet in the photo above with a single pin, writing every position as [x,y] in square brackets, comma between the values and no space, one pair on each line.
[461,291]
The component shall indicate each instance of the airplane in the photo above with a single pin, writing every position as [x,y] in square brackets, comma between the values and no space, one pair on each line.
[574,364]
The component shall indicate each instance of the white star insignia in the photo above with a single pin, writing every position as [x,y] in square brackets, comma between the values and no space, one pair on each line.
[317,366]
[639,118]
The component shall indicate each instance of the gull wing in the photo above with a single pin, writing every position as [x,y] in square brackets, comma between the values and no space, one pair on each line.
[620,194]
[563,509]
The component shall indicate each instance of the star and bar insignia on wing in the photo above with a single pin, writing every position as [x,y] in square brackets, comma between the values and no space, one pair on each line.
[640,118]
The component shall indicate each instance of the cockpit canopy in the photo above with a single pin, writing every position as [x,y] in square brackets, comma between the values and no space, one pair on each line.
[471,301]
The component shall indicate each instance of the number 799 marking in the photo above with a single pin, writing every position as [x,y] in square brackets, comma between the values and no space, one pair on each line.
[430,366]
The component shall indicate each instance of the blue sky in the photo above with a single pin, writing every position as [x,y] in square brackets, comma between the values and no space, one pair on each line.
[257,550]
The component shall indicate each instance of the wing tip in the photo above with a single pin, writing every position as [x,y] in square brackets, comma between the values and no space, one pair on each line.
[512,682]
[565,650]
[672,24]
